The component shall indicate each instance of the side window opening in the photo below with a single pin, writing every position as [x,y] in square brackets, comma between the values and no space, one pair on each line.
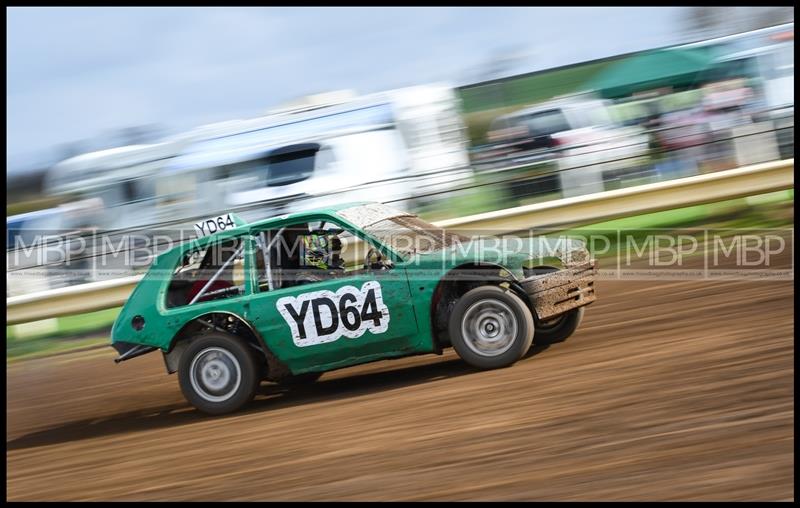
[304,253]
[297,254]
[209,273]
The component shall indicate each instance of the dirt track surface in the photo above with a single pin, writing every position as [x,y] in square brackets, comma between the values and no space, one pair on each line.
[669,391]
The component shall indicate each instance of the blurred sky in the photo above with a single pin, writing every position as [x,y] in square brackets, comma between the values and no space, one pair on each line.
[74,73]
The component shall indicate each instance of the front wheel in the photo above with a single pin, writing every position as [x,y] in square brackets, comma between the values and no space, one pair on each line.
[491,327]
[218,373]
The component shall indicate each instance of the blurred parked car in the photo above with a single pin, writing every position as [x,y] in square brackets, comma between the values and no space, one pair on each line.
[577,133]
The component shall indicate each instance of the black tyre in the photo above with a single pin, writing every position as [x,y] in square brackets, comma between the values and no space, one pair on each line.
[560,328]
[218,373]
[300,379]
[490,327]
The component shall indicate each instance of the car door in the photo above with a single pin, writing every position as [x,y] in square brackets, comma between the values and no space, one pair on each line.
[342,320]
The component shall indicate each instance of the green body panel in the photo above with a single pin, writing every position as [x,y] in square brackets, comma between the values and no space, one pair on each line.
[407,291]
[400,338]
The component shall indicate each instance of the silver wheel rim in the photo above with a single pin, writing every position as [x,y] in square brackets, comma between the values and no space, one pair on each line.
[215,374]
[489,327]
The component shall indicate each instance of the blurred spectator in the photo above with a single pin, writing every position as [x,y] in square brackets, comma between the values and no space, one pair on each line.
[725,104]
[682,136]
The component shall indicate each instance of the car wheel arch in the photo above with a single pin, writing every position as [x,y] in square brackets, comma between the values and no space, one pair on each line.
[208,321]
[452,286]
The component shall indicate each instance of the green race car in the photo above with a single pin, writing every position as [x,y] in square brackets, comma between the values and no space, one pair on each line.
[289,298]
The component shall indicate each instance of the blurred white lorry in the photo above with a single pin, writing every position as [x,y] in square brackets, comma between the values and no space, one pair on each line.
[401,144]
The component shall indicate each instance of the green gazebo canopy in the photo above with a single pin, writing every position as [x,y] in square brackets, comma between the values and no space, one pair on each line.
[654,69]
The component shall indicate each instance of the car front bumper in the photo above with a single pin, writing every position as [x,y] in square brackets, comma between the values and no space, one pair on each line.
[556,293]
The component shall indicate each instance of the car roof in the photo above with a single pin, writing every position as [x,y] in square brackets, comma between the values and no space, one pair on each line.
[244,228]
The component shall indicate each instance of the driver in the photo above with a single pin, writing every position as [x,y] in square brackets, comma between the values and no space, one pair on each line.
[323,251]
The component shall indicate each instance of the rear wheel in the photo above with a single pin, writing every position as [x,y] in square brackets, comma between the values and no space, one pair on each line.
[218,373]
[490,327]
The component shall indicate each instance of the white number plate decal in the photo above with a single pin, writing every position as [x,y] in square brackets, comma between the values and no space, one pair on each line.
[324,316]
[214,225]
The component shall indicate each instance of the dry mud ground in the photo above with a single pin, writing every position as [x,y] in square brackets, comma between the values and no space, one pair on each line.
[671,390]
